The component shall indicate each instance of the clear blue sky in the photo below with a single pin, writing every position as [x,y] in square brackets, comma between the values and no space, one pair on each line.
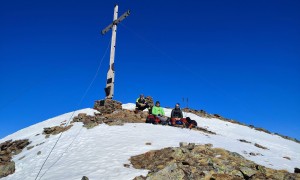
[239,59]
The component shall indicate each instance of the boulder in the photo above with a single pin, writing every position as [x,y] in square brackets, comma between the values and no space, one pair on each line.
[84,178]
[169,172]
[7,169]
[248,172]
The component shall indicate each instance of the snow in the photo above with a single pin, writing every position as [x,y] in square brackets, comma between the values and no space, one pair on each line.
[101,152]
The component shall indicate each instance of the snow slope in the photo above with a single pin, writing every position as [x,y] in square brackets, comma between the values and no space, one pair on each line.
[101,152]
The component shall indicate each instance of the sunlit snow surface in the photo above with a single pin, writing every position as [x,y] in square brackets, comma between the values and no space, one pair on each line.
[101,152]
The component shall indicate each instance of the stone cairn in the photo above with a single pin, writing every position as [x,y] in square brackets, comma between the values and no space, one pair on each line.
[7,150]
[107,106]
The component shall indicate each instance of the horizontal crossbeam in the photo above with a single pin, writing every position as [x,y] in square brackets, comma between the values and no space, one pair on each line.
[116,22]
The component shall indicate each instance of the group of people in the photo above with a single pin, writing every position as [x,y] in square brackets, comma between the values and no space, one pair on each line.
[158,111]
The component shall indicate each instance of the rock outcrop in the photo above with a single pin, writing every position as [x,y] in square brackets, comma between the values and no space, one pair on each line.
[107,106]
[191,161]
[7,150]
[118,117]
[55,130]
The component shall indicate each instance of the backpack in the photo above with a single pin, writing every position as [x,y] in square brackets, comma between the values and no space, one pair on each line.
[152,119]
[190,123]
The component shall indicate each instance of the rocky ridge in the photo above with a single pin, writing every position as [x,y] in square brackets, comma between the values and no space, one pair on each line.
[204,114]
[190,161]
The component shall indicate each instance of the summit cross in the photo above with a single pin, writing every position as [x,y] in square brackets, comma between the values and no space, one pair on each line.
[109,89]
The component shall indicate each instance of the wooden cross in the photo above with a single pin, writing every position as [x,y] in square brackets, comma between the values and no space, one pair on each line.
[109,89]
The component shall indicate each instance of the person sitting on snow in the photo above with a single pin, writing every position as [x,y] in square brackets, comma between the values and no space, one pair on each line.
[159,112]
[176,114]
[141,103]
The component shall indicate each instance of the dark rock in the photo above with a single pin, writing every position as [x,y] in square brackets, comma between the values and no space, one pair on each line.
[84,178]
[21,144]
[21,157]
[263,130]
[217,115]
[29,147]
[126,165]
[204,130]
[296,170]
[260,146]
[242,140]
[7,169]
[55,130]
[40,144]
[140,178]
[39,153]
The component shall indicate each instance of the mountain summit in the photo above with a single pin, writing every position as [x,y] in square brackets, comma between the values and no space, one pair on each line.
[120,145]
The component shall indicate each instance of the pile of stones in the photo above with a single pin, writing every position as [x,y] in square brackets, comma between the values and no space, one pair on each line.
[107,106]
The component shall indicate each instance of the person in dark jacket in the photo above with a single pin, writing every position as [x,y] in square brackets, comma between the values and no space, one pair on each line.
[176,112]
[141,103]
[176,115]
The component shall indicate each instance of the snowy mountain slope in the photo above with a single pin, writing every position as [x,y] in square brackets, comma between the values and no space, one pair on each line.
[101,152]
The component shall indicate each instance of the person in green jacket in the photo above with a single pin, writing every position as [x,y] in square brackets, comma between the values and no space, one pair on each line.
[159,112]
